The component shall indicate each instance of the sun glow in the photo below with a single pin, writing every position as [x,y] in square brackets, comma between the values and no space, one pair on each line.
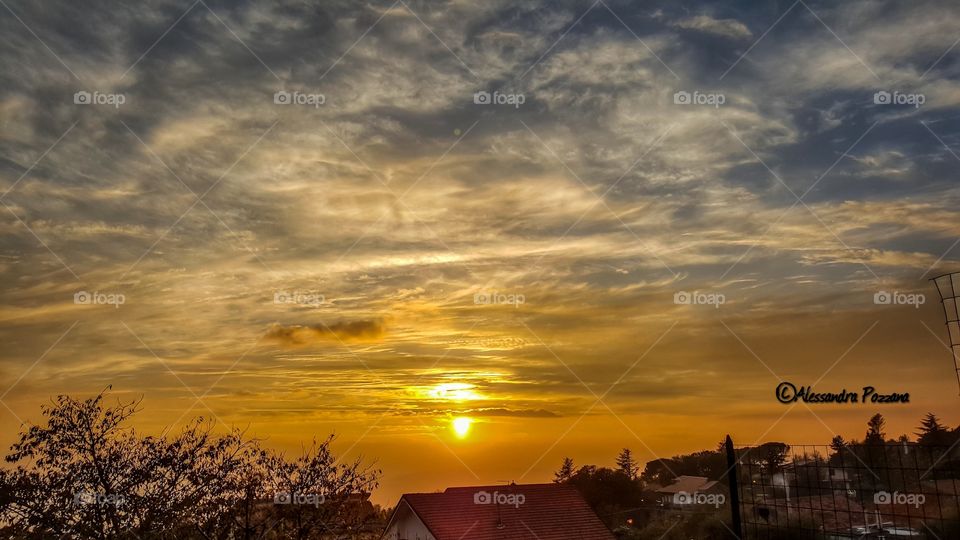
[454,392]
[461,426]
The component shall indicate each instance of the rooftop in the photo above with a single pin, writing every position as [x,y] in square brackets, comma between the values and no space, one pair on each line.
[513,512]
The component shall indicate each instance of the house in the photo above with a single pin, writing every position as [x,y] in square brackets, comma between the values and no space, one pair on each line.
[943,489]
[513,512]
[842,517]
[804,477]
[687,490]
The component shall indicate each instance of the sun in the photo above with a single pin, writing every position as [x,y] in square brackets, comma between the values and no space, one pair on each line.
[461,426]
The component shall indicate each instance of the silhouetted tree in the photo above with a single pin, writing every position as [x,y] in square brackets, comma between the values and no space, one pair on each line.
[626,464]
[837,444]
[772,455]
[932,432]
[84,474]
[609,492]
[711,464]
[838,451]
[327,486]
[566,471]
[875,433]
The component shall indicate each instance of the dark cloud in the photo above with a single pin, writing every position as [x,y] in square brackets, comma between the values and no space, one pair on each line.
[346,331]
[520,413]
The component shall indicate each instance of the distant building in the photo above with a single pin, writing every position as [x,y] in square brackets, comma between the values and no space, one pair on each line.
[514,512]
[684,488]
[803,477]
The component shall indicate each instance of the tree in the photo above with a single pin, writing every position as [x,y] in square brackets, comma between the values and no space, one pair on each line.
[565,473]
[609,492]
[772,455]
[932,432]
[709,463]
[317,479]
[626,464]
[875,433]
[837,444]
[84,474]
[659,471]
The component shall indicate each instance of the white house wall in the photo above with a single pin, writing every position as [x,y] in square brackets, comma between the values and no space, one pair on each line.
[406,526]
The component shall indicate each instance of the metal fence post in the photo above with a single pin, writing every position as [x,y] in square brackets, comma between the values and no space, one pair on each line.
[734,476]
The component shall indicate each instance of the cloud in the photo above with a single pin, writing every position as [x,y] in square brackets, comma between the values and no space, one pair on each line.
[521,413]
[731,28]
[352,331]
[579,199]
[492,412]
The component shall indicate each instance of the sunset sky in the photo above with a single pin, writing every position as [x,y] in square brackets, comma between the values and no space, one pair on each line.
[388,255]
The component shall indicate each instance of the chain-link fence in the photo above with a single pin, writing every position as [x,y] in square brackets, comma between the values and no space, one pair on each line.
[847,491]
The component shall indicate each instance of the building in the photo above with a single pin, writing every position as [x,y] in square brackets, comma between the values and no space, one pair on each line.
[684,489]
[514,512]
[805,477]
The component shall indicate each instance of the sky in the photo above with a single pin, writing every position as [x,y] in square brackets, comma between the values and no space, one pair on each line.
[575,226]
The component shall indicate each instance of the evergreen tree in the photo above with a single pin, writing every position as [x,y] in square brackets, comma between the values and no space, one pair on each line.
[565,473]
[932,432]
[875,433]
[837,447]
[626,464]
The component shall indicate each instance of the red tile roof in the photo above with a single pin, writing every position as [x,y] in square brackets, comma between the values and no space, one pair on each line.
[547,512]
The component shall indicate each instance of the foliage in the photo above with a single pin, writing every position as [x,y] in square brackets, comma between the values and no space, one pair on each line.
[934,433]
[626,464]
[709,463]
[679,526]
[85,474]
[566,471]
